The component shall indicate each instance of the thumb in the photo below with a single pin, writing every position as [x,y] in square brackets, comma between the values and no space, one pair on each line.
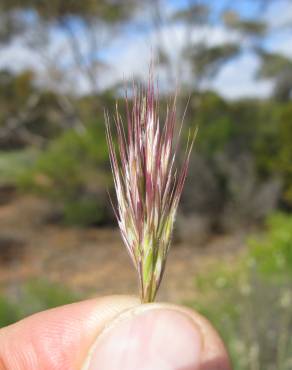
[60,338]
[113,333]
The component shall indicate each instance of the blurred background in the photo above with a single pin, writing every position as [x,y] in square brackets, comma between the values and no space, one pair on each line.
[61,64]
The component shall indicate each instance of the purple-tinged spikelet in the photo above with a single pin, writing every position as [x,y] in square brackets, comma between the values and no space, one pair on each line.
[148,186]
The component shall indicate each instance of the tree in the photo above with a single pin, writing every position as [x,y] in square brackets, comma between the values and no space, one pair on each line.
[204,59]
[85,27]
[278,68]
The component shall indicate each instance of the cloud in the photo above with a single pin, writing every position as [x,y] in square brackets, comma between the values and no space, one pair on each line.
[279,14]
[129,57]
[17,57]
[129,54]
[280,42]
[236,79]
[279,18]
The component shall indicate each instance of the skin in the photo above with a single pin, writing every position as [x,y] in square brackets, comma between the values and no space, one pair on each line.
[77,337]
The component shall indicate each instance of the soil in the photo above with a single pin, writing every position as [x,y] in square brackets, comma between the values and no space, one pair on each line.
[92,260]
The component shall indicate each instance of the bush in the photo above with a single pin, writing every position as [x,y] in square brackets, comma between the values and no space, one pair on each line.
[271,254]
[213,117]
[84,212]
[74,173]
[283,162]
[34,296]
[272,144]
[14,163]
[233,179]
[41,295]
[249,301]
[9,312]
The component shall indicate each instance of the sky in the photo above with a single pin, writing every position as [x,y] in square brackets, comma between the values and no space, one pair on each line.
[127,54]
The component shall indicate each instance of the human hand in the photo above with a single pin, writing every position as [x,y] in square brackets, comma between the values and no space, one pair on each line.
[113,333]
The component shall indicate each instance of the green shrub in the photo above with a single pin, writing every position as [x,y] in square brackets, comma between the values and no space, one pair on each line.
[9,312]
[271,254]
[249,300]
[41,295]
[212,116]
[84,212]
[32,297]
[14,163]
[283,162]
[73,172]
[272,143]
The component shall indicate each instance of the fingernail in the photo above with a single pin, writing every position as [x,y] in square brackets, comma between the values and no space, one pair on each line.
[153,339]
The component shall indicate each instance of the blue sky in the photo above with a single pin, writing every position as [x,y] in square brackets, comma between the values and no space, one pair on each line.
[247,8]
[128,53]
[236,78]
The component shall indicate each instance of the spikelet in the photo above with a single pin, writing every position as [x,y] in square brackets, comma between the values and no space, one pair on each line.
[148,185]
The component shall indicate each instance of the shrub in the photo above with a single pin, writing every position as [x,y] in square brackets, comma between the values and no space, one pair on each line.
[74,173]
[271,254]
[14,163]
[41,295]
[32,297]
[249,301]
[9,312]
[213,117]
[84,212]
[283,162]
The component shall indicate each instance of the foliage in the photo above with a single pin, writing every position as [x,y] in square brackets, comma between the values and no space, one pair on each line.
[14,92]
[73,172]
[41,294]
[252,27]
[236,172]
[9,312]
[249,301]
[108,10]
[271,254]
[206,61]
[72,167]
[212,116]
[283,162]
[272,144]
[279,68]
[70,164]
[85,212]
[32,297]
[14,163]
[28,115]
